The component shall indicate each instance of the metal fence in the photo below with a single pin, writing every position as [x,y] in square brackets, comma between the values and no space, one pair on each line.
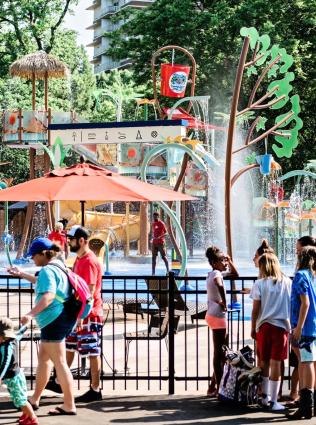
[154,334]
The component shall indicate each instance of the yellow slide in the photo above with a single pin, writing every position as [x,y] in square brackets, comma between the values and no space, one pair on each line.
[105,227]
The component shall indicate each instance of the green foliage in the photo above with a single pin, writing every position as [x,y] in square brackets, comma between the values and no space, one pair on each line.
[26,26]
[57,153]
[115,95]
[261,124]
[18,166]
[209,29]
[290,140]
[281,88]
[251,159]
[31,24]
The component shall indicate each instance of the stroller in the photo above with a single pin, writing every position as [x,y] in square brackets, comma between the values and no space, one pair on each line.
[241,379]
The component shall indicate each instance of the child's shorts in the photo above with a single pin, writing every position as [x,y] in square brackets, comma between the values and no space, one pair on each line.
[214,322]
[272,343]
[17,389]
[307,347]
[87,342]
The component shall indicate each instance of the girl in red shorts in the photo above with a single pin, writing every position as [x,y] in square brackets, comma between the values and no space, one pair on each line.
[216,311]
[270,325]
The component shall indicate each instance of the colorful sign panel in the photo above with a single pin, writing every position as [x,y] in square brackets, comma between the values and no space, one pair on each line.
[121,132]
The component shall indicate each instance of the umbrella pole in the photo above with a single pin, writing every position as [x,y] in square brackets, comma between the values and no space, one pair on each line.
[82,212]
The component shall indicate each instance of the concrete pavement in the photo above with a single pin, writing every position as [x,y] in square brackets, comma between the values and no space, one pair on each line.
[151,408]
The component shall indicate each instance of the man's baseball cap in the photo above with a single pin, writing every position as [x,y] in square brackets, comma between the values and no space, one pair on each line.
[7,328]
[39,245]
[77,232]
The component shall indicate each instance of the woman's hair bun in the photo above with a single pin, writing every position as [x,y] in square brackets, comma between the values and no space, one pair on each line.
[265,248]
[212,253]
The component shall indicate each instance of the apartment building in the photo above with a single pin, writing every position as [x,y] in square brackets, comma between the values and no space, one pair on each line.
[102,25]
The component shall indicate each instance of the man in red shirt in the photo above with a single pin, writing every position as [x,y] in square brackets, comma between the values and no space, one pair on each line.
[159,233]
[88,267]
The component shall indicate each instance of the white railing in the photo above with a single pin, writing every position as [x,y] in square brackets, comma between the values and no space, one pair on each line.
[109,10]
[137,3]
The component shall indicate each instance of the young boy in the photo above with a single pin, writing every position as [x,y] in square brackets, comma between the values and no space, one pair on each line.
[10,372]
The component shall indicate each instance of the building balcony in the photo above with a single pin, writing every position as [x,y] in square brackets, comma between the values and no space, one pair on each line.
[108,64]
[135,3]
[99,51]
[94,5]
[105,12]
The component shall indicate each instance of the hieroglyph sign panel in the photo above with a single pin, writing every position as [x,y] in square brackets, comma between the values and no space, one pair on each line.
[135,132]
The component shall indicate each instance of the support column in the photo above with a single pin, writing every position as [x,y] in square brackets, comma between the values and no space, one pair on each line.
[49,207]
[29,211]
[143,229]
[127,229]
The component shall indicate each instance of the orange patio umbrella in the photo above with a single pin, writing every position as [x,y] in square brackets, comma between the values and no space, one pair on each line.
[85,182]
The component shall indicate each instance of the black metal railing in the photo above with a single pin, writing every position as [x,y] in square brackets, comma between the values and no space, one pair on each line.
[154,333]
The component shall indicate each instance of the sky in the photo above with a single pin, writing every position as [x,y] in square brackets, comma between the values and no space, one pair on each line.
[79,21]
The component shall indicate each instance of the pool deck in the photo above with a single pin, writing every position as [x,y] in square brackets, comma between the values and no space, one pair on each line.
[151,408]
[132,405]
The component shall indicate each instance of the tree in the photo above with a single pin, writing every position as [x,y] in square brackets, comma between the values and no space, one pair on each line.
[266,62]
[115,96]
[17,38]
[210,31]
[28,25]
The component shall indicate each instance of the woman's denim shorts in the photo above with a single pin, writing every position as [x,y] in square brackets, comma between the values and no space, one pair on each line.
[58,329]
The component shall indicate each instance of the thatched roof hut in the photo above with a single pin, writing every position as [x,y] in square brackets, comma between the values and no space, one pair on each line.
[39,65]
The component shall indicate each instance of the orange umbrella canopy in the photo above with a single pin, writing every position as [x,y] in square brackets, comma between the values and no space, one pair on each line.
[86,182]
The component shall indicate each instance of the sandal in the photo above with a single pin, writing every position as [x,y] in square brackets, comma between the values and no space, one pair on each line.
[34,405]
[60,411]
[292,404]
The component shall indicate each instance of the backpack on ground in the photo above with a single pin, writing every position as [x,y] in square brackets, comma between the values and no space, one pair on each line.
[80,302]
[240,380]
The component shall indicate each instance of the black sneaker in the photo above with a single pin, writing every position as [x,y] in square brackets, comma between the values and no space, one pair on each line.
[53,386]
[89,396]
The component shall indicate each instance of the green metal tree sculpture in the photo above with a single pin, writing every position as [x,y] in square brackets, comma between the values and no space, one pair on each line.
[266,98]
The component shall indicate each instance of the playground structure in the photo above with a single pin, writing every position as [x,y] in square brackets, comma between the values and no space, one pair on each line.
[32,129]
[179,151]
[108,230]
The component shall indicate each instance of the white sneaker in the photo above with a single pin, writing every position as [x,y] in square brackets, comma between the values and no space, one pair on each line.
[275,406]
[265,401]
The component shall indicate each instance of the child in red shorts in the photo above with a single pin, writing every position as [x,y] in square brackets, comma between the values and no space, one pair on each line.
[270,325]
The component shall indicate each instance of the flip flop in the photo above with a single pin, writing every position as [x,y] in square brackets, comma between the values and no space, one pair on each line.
[60,411]
[34,406]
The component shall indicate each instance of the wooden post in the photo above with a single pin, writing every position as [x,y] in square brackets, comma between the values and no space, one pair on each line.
[82,213]
[29,211]
[230,142]
[20,129]
[127,229]
[143,228]
[33,92]
[46,91]
[47,166]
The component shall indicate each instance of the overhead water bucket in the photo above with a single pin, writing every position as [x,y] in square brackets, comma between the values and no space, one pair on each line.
[174,79]
[265,163]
